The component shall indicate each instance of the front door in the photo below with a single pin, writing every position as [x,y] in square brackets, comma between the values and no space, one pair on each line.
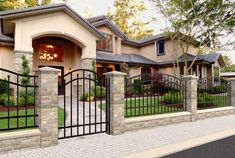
[60,78]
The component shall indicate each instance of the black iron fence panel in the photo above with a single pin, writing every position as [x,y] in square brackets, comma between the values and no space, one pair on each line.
[157,93]
[213,95]
[85,104]
[17,100]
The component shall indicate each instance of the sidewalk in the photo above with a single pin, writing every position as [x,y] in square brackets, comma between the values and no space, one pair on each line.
[106,146]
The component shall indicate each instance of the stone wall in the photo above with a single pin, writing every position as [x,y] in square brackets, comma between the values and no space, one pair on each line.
[19,140]
[156,120]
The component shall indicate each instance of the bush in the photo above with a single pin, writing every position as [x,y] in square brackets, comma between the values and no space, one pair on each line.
[3,87]
[84,97]
[22,101]
[4,100]
[98,91]
[30,93]
[217,89]
[204,99]
[173,98]
[137,86]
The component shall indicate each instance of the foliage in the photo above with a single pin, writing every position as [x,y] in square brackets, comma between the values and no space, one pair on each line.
[4,100]
[125,68]
[204,99]
[98,91]
[25,80]
[126,17]
[3,87]
[217,89]
[30,93]
[137,87]
[84,97]
[198,23]
[227,60]
[173,98]
[22,101]
[17,4]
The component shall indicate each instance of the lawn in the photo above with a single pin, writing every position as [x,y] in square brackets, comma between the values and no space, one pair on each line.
[215,102]
[148,106]
[22,121]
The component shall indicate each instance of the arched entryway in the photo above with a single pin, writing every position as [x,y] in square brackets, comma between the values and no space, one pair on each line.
[56,52]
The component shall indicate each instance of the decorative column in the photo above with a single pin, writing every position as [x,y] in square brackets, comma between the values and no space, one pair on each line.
[47,101]
[231,92]
[117,101]
[191,95]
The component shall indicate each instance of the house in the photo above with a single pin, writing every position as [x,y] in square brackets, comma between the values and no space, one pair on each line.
[57,36]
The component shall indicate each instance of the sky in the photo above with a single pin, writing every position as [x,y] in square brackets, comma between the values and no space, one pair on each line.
[100,7]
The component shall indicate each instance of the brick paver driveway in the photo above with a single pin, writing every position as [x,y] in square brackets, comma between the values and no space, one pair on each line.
[106,146]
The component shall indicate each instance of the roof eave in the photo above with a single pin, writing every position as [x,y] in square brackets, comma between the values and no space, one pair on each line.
[50,9]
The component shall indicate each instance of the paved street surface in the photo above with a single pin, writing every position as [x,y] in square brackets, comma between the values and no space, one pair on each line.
[106,146]
[224,148]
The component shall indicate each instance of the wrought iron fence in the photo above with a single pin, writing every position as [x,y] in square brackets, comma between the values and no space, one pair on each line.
[17,100]
[149,94]
[211,95]
[85,104]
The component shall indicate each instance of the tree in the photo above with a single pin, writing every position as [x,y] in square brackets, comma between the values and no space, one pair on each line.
[25,80]
[17,4]
[199,23]
[126,17]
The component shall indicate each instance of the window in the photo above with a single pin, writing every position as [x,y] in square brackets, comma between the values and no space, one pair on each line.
[106,44]
[50,53]
[146,74]
[161,47]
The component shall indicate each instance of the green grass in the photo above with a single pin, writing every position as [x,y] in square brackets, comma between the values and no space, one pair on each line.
[22,121]
[218,101]
[146,106]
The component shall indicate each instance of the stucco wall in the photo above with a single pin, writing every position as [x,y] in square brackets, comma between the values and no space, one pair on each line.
[130,49]
[59,24]
[172,51]
[6,59]
[166,70]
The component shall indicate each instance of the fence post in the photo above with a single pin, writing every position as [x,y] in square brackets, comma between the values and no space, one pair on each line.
[232,92]
[47,101]
[117,101]
[191,95]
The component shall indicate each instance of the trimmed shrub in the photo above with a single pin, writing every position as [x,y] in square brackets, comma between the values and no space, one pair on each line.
[4,100]
[137,86]
[204,99]
[99,92]
[30,93]
[217,89]
[3,87]
[84,97]
[22,101]
[173,98]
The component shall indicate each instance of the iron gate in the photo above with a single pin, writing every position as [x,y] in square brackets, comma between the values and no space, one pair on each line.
[85,104]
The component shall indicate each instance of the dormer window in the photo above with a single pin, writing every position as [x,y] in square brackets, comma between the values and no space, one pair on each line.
[160,47]
[105,45]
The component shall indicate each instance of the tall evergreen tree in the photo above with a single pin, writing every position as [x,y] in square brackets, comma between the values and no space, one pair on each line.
[126,17]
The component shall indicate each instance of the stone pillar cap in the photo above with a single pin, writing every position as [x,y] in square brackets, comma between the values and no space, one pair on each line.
[115,73]
[48,69]
[190,76]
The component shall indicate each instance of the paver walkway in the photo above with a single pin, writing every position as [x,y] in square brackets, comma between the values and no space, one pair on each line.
[106,146]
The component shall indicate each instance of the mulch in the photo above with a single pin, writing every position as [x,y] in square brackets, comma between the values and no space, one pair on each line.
[14,108]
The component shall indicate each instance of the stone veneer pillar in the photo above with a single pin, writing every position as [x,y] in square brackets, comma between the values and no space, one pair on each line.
[47,101]
[117,101]
[231,92]
[191,95]
[18,60]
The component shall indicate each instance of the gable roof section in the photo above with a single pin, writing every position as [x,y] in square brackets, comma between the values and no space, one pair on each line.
[124,58]
[26,12]
[104,20]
